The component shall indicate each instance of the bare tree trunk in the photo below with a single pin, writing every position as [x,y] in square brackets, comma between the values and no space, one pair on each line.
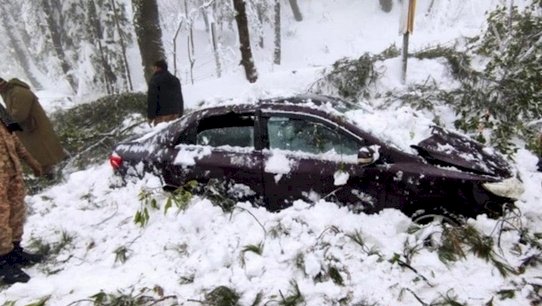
[191,60]
[127,75]
[260,12]
[66,40]
[175,46]
[247,60]
[96,30]
[215,50]
[278,41]
[190,42]
[18,46]
[57,43]
[149,33]
[206,20]
[295,10]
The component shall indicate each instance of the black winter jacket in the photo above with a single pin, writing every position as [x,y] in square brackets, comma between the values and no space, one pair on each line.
[164,96]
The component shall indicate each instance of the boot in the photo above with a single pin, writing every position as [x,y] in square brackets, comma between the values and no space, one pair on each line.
[10,274]
[19,257]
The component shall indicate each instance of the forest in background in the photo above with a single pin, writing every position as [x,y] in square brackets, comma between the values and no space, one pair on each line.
[89,43]
[104,47]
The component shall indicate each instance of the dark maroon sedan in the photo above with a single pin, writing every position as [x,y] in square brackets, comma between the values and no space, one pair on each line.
[308,148]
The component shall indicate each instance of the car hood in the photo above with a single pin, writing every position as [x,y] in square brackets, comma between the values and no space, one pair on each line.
[447,148]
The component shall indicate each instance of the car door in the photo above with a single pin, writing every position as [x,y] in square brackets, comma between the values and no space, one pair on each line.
[222,152]
[311,158]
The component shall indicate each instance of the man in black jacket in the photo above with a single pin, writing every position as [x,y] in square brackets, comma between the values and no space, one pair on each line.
[164,98]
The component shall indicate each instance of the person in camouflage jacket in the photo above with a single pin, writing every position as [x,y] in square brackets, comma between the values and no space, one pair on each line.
[12,206]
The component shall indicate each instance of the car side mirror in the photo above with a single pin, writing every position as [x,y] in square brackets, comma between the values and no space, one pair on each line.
[367,156]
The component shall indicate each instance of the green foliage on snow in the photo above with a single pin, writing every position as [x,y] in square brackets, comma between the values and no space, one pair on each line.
[459,62]
[142,297]
[496,103]
[509,89]
[493,103]
[151,199]
[88,131]
[350,78]
[222,296]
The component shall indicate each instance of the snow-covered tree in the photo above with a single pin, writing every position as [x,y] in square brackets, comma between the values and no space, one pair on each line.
[149,33]
[247,59]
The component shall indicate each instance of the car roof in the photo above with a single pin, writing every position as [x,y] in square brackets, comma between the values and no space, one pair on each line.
[358,116]
[309,100]
[310,103]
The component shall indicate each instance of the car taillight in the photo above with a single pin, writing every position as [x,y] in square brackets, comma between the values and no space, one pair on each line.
[115,160]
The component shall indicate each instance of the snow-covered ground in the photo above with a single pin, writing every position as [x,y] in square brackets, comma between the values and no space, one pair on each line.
[186,254]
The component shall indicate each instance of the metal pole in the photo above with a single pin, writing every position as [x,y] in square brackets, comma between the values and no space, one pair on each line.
[404,57]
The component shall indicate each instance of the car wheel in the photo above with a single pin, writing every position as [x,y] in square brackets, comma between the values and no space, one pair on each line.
[432,224]
[436,216]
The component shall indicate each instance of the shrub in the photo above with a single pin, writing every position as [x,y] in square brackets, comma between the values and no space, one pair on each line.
[350,78]
[493,104]
[88,131]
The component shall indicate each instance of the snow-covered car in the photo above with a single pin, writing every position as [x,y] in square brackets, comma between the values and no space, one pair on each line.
[316,147]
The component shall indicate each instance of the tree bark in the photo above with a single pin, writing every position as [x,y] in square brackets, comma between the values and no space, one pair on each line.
[127,75]
[55,32]
[247,60]
[215,50]
[190,42]
[66,40]
[260,11]
[278,38]
[179,26]
[149,33]
[296,10]
[96,30]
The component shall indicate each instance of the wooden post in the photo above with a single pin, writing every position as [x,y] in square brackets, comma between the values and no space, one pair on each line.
[407,27]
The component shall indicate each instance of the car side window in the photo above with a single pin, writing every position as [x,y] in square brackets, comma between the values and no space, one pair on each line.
[308,136]
[226,130]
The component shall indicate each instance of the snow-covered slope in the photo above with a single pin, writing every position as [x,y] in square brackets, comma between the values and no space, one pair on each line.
[332,256]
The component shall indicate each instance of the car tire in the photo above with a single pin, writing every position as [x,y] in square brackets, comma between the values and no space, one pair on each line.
[438,216]
[432,223]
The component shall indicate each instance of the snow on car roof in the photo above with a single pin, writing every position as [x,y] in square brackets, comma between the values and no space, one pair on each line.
[407,128]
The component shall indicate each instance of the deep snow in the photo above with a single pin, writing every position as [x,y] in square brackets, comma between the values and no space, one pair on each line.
[189,253]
